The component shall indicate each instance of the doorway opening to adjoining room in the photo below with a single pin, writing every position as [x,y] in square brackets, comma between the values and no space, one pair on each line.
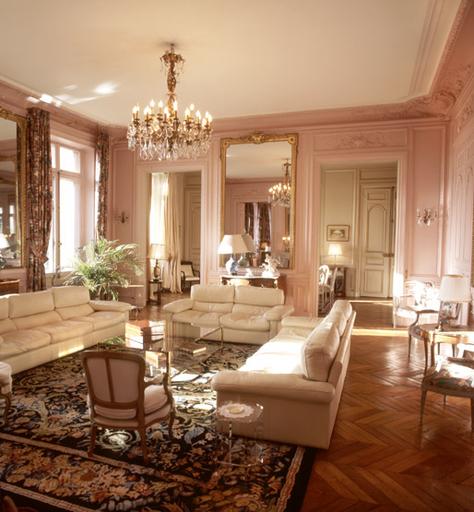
[174,232]
[358,229]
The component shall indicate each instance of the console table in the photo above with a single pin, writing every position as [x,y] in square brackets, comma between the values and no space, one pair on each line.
[9,286]
[260,281]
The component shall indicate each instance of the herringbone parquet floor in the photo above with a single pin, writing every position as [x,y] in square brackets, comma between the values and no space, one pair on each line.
[380,459]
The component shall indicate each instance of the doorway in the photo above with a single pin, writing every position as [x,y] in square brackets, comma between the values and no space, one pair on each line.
[358,219]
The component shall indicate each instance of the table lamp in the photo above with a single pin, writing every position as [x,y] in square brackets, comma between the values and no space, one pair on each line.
[157,252]
[248,240]
[335,250]
[454,290]
[232,244]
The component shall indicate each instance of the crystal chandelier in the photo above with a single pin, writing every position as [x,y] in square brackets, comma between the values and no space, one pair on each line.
[280,194]
[161,134]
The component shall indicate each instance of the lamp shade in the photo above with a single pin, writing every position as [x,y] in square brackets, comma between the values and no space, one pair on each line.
[4,243]
[232,244]
[335,250]
[455,288]
[156,252]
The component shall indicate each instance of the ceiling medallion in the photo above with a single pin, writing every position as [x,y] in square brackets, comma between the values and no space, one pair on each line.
[161,135]
[280,194]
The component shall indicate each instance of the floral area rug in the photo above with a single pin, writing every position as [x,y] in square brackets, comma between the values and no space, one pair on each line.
[44,463]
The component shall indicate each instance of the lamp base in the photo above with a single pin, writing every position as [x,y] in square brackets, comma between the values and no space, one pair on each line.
[156,270]
[231,266]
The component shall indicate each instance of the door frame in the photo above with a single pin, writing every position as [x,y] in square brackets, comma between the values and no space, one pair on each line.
[352,160]
[379,183]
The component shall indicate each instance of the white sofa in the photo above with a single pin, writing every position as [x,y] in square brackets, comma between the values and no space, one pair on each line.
[247,314]
[297,376]
[38,327]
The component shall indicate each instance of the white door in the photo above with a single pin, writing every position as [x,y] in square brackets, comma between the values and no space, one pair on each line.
[376,236]
[192,226]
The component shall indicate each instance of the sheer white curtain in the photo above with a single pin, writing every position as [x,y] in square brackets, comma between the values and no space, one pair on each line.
[164,226]
[172,234]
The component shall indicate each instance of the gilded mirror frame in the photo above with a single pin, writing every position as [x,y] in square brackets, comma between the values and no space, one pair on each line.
[21,178]
[261,138]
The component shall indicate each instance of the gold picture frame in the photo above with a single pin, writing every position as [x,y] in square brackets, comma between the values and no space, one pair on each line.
[337,232]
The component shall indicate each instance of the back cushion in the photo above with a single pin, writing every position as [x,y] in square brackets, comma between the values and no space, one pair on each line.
[338,319]
[188,270]
[249,310]
[26,304]
[258,296]
[318,352]
[66,296]
[73,311]
[32,321]
[344,307]
[7,325]
[213,307]
[212,293]
[4,307]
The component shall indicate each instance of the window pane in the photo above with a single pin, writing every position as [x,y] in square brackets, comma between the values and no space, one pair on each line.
[69,221]
[69,159]
[53,156]
[50,265]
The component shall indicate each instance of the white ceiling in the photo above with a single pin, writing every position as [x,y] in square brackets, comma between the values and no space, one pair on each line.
[242,58]
[257,160]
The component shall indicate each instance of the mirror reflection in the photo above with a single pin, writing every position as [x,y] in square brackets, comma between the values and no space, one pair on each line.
[9,242]
[258,199]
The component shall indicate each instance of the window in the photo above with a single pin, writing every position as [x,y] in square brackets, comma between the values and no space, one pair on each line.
[68,183]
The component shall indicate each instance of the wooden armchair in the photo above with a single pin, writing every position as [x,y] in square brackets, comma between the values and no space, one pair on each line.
[189,275]
[120,398]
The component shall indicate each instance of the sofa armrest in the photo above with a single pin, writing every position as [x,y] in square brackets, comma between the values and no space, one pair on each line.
[303,322]
[286,386]
[276,313]
[178,306]
[110,305]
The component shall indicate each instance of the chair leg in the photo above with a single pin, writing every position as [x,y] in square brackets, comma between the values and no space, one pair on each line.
[8,401]
[453,347]
[426,354]
[472,415]
[93,438]
[439,348]
[170,423]
[422,405]
[142,432]
[409,346]
[445,398]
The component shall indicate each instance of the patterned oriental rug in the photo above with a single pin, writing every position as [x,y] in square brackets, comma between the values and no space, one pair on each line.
[44,463]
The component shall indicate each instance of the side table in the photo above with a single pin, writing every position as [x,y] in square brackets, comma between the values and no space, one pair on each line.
[243,453]
[155,290]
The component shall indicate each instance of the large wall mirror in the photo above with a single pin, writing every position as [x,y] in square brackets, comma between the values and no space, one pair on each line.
[259,184]
[12,170]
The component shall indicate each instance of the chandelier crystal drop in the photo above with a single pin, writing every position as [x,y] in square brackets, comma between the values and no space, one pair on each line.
[280,193]
[161,135]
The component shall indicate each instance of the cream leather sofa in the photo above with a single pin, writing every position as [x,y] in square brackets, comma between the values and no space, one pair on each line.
[297,376]
[247,314]
[42,326]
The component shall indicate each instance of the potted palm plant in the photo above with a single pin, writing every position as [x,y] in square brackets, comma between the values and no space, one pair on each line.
[103,266]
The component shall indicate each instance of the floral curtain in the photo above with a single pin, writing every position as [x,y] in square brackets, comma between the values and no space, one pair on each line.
[103,144]
[39,193]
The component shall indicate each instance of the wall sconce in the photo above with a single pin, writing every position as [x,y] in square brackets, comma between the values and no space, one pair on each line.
[121,217]
[286,242]
[426,216]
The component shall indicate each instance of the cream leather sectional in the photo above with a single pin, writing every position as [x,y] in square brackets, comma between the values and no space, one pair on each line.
[246,314]
[39,327]
[297,376]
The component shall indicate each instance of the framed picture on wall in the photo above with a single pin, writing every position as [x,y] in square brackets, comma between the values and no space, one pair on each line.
[337,233]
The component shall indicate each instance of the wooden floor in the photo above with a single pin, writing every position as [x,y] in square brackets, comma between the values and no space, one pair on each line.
[379,458]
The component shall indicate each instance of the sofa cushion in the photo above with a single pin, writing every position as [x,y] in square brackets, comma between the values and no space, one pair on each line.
[187,317]
[7,325]
[66,296]
[213,307]
[10,349]
[32,321]
[212,293]
[26,339]
[245,322]
[208,320]
[279,347]
[258,296]
[102,319]
[66,329]
[27,304]
[337,318]
[319,350]
[4,307]
[273,363]
[72,311]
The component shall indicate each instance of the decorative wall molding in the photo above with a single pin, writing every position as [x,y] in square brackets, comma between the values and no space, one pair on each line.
[364,139]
